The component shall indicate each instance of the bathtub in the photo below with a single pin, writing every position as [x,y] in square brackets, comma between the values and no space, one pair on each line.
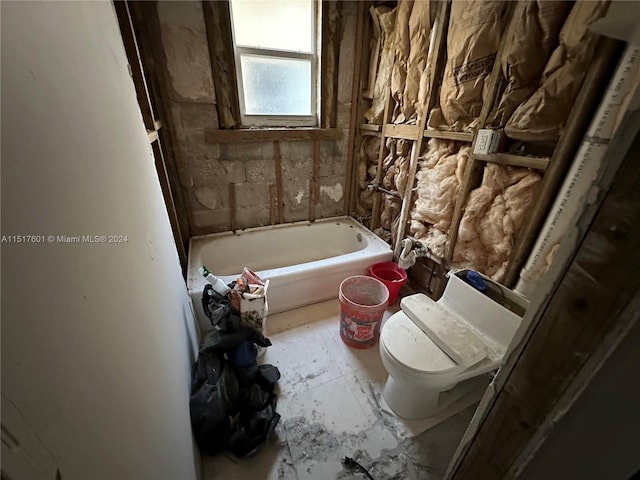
[304,262]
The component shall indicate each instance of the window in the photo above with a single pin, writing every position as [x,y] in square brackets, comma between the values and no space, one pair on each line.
[276,61]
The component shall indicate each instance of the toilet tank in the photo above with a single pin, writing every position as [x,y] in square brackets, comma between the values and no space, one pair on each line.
[496,313]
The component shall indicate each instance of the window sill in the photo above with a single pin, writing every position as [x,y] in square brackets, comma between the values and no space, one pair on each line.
[255,135]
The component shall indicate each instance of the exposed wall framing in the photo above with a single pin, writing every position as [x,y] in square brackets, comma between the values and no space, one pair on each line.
[550,161]
[217,20]
[589,312]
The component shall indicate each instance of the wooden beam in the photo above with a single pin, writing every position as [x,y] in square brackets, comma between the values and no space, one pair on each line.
[377,198]
[169,202]
[458,136]
[232,207]
[272,204]
[407,132]
[370,127]
[314,186]
[135,62]
[582,316]
[353,119]
[330,55]
[257,135]
[144,17]
[217,20]
[577,123]
[537,163]
[435,59]
[279,189]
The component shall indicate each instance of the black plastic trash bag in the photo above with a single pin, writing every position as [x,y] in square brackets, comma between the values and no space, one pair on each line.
[231,407]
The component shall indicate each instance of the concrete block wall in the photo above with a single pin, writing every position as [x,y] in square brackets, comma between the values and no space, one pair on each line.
[206,169]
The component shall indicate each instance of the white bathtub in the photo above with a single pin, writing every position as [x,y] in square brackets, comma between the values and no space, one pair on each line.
[304,262]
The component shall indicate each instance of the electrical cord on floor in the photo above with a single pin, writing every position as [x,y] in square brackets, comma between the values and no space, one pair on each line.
[351,463]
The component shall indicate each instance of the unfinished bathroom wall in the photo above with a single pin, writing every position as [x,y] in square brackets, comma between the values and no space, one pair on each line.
[235,184]
[459,67]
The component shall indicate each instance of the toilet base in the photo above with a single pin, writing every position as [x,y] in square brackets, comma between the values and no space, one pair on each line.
[411,401]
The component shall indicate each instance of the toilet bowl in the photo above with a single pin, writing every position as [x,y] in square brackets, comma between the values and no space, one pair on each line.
[428,347]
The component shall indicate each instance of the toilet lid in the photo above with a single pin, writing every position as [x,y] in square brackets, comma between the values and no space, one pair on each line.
[412,348]
[446,329]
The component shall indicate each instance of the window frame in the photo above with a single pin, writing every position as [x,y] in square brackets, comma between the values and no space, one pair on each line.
[254,120]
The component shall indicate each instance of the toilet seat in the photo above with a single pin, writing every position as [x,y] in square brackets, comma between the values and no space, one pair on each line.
[413,350]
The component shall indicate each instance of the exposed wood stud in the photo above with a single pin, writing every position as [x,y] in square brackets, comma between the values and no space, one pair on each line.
[133,55]
[330,54]
[407,132]
[169,202]
[232,207]
[565,336]
[248,135]
[436,55]
[272,204]
[377,198]
[458,136]
[144,17]
[564,152]
[279,189]
[314,186]
[353,120]
[537,163]
[217,19]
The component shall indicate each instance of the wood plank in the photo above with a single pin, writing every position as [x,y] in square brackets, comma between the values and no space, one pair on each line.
[144,17]
[435,59]
[217,20]
[537,163]
[313,182]
[330,55]
[407,132]
[374,58]
[353,118]
[272,204]
[256,135]
[473,171]
[279,189]
[576,326]
[577,123]
[458,136]
[232,207]
[152,135]
[377,199]
[163,178]
[370,127]
[135,62]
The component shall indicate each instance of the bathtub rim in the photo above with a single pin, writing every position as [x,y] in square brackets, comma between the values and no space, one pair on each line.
[193,269]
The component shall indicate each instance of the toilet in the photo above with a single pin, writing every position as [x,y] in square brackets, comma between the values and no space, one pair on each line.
[429,347]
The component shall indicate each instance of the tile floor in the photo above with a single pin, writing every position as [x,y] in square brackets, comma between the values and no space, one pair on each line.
[330,405]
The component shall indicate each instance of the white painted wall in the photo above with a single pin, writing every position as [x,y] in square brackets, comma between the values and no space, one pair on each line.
[97,339]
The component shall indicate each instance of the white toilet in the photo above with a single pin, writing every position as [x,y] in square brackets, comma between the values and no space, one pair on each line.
[429,347]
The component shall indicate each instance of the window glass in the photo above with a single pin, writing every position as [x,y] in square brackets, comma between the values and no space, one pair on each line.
[276,86]
[279,25]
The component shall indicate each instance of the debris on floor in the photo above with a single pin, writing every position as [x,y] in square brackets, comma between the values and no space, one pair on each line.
[232,403]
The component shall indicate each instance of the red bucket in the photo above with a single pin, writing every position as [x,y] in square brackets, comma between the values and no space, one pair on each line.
[363,301]
[392,276]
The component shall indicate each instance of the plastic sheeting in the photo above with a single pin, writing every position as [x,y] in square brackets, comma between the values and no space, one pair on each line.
[542,117]
[492,218]
[438,182]
[528,46]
